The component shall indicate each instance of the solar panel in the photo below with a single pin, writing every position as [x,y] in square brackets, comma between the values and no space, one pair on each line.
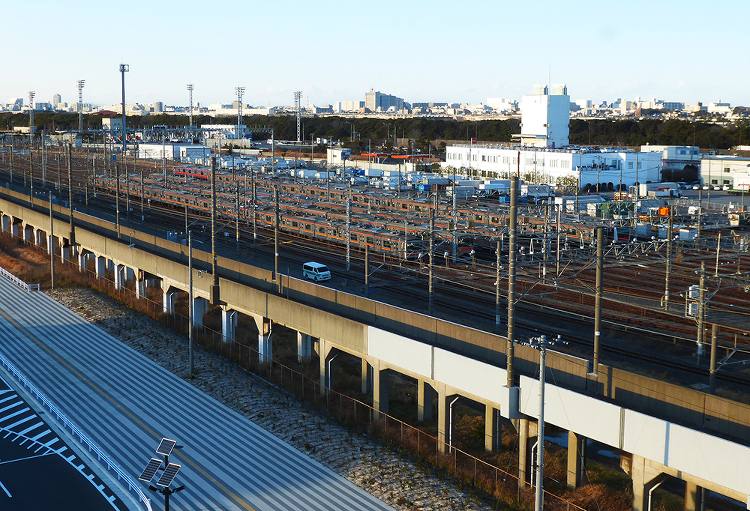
[169,474]
[166,446]
[150,470]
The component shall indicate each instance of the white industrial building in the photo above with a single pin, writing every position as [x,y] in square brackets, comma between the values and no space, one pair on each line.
[564,166]
[675,157]
[728,171]
[545,154]
[545,117]
[172,152]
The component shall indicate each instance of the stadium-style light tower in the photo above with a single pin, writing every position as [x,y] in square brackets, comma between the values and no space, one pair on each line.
[240,91]
[31,114]
[297,108]
[190,90]
[124,68]
[81,83]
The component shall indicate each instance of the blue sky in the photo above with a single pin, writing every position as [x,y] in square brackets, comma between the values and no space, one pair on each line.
[337,50]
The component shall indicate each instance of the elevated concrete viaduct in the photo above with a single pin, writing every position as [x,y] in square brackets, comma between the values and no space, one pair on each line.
[660,429]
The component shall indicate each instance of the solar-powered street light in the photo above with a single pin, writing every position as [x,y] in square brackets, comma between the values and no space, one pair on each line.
[168,475]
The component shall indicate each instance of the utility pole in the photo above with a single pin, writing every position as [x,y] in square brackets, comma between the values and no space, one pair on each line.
[712,374]
[510,348]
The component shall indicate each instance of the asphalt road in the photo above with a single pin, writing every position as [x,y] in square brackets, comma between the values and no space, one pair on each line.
[37,469]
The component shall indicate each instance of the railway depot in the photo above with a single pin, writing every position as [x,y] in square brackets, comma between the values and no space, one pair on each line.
[455,242]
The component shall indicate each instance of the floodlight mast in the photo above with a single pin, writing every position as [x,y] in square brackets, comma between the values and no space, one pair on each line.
[240,91]
[298,109]
[31,115]
[190,90]
[124,68]
[81,83]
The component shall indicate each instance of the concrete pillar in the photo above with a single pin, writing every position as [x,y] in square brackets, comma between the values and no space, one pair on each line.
[14,228]
[366,377]
[140,288]
[442,411]
[524,466]
[381,380]
[425,395]
[119,273]
[82,258]
[324,352]
[50,244]
[304,347]
[200,307]
[28,233]
[265,345]
[492,428]
[65,252]
[644,479]
[101,266]
[228,324]
[576,459]
[38,237]
[693,496]
[169,298]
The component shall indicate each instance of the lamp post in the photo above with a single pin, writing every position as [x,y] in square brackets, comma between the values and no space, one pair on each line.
[541,343]
[81,83]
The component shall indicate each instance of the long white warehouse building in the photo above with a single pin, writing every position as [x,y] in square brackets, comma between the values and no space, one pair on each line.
[565,166]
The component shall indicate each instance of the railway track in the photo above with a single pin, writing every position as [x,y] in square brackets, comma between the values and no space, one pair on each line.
[467,283]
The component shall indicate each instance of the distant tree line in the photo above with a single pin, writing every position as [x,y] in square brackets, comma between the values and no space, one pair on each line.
[427,134]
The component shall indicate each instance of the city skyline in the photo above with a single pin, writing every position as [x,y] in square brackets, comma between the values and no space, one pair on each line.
[338,52]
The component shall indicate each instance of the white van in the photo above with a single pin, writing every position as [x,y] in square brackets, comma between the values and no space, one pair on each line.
[316,271]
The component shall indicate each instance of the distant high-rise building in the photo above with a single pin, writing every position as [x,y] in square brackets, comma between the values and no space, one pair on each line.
[56,100]
[378,102]
[158,107]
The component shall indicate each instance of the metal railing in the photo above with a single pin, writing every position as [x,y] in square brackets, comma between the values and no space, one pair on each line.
[76,431]
[23,285]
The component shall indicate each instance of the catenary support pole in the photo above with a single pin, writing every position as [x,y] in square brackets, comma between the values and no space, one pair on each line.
[598,301]
[214,257]
[510,349]
[191,319]
[50,243]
